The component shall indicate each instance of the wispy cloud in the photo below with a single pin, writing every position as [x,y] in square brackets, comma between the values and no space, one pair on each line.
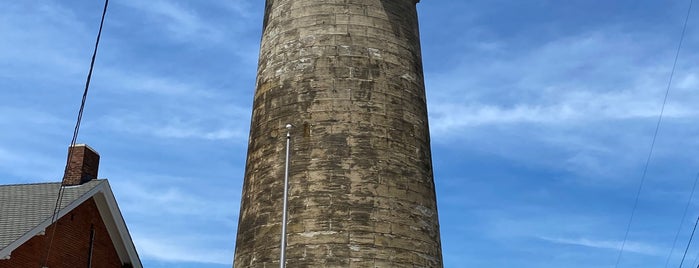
[13,115]
[630,246]
[125,82]
[243,8]
[213,127]
[31,165]
[175,248]
[180,19]
[529,89]
[30,135]
[191,22]
[167,214]
[35,49]
[581,98]
[156,200]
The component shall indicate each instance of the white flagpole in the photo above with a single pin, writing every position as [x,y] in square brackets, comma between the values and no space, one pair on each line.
[282,259]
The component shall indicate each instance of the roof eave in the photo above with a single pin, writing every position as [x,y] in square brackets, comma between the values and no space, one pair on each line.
[111,216]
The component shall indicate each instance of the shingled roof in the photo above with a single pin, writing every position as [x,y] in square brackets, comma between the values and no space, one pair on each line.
[26,210]
[24,206]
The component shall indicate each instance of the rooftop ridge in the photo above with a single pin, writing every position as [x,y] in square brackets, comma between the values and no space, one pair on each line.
[41,183]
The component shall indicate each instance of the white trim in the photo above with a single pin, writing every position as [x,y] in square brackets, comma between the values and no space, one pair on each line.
[87,146]
[111,216]
[41,227]
[116,226]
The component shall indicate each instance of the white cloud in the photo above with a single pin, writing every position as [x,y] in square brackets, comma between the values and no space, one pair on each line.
[29,165]
[35,49]
[180,19]
[14,116]
[630,246]
[586,103]
[243,8]
[577,107]
[33,149]
[124,82]
[175,128]
[172,201]
[170,107]
[689,81]
[174,248]
[573,80]
[175,218]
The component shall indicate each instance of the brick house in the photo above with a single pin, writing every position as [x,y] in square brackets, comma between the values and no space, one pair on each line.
[89,230]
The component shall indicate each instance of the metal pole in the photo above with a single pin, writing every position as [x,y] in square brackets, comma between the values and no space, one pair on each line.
[282,259]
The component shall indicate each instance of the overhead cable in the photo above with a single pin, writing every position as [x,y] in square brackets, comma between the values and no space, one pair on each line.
[76,130]
[684,215]
[655,136]
[689,242]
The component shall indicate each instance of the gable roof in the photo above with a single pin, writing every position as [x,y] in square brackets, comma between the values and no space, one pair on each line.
[26,211]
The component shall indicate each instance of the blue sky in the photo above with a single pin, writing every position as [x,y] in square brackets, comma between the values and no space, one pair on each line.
[541,115]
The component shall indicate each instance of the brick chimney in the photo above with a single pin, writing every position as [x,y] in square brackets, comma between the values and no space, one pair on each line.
[83,165]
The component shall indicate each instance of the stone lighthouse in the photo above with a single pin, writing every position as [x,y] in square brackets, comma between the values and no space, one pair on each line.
[347,75]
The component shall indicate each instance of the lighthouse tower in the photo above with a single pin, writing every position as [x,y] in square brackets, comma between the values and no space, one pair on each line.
[347,75]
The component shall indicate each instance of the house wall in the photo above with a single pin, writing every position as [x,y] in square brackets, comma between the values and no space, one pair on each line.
[71,243]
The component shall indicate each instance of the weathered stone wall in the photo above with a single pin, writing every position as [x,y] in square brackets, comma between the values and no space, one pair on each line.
[348,75]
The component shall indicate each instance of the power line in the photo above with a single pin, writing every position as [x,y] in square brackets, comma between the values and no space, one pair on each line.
[76,130]
[655,135]
[684,215]
[695,259]
[689,242]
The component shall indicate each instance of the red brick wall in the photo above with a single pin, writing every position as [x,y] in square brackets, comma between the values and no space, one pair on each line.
[83,166]
[71,243]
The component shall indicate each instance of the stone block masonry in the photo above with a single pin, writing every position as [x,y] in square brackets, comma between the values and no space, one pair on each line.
[348,75]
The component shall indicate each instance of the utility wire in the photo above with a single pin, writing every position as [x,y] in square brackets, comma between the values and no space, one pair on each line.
[655,135]
[684,215]
[689,242]
[695,259]
[76,130]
